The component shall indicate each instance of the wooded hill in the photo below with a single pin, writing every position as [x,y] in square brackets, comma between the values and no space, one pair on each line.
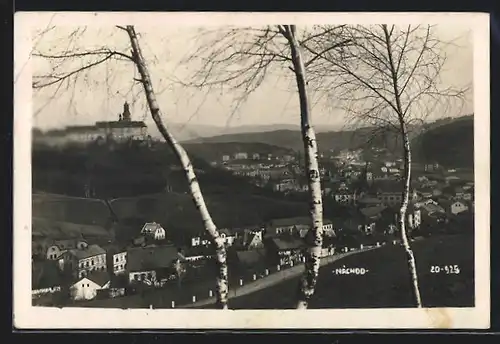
[449,143]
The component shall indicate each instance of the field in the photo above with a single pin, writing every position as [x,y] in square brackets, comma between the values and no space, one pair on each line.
[177,213]
[62,208]
[387,283]
[47,228]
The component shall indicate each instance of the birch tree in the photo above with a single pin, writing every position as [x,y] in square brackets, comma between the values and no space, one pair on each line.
[101,55]
[239,59]
[388,77]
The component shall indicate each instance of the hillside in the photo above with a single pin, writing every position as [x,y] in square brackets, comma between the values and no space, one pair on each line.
[450,143]
[387,281]
[124,175]
[214,151]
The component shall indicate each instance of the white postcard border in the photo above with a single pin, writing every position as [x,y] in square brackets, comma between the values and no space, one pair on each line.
[26,316]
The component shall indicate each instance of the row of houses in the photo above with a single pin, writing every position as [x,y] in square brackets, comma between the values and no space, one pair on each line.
[257,156]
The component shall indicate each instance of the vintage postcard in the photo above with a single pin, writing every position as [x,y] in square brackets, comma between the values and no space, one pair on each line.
[251,170]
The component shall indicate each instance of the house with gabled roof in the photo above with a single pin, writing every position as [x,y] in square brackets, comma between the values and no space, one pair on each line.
[153,230]
[146,264]
[390,192]
[84,260]
[454,207]
[284,249]
[59,247]
[86,288]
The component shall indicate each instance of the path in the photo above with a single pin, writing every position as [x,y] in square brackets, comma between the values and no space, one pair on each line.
[274,279]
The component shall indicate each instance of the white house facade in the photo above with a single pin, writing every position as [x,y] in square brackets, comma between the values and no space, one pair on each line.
[86,289]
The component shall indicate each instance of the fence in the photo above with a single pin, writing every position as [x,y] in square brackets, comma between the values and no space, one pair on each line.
[255,280]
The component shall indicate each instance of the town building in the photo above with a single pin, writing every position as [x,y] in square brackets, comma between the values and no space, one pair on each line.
[85,260]
[56,250]
[153,230]
[86,288]
[149,264]
[298,226]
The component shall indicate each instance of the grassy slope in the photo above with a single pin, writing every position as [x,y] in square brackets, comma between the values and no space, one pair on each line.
[70,209]
[387,282]
[180,217]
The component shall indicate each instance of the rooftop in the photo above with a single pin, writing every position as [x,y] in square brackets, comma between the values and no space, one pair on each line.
[290,221]
[150,258]
[372,211]
[150,227]
[99,277]
[89,251]
[251,256]
[284,244]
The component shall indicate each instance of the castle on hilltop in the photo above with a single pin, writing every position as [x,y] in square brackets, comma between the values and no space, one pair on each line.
[122,130]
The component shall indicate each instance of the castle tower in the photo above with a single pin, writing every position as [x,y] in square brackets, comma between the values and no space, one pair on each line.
[126,112]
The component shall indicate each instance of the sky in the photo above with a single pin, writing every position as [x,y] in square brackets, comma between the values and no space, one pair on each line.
[98,94]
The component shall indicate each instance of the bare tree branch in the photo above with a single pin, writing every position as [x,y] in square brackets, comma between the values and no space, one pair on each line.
[389,78]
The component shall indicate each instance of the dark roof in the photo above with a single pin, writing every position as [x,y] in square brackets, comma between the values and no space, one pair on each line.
[99,277]
[432,208]
[89,251]
[150,258]
[121,124]
[114,248]
[250,238]
[67,244]
[291,221]
[198,251]
[387,186]
[151,227]
[251,256]
[284,244]
[372,211]
[45,274]
[255,228]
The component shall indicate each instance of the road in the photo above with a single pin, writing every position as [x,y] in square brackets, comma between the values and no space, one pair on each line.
[273,279]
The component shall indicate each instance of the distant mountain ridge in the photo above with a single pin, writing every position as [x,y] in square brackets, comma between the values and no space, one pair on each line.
[195,132]
[345,139]
[291,139]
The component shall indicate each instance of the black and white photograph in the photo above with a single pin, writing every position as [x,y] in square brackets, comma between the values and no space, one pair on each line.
[168,163]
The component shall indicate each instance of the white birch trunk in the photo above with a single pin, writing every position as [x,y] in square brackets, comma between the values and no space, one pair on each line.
[412,268]
[222,276]
[402,217]
[313,253]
